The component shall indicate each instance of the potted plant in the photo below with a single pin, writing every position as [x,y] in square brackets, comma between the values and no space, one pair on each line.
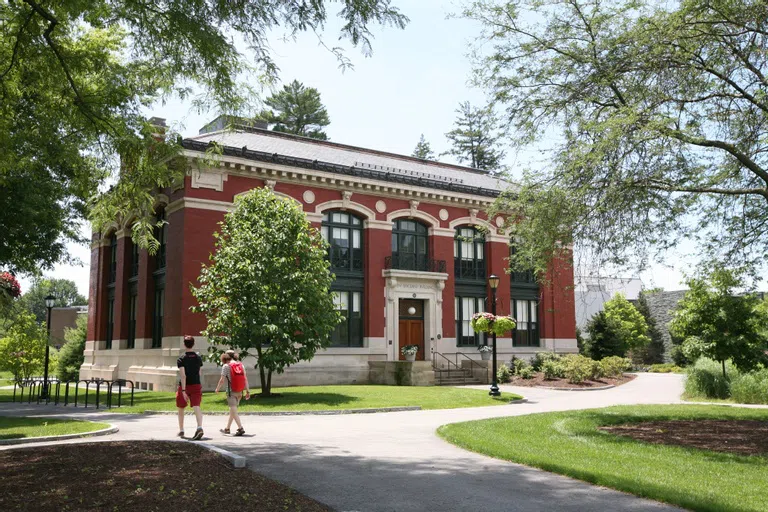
[485,351]
[409,351]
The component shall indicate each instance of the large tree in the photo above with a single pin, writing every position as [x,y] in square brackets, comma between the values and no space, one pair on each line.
[64,290]
[297,109]
[475,140]
[618,329]
[22,349]
[266,291]
[423,149]
[654,116]
[77,77]
[717,321]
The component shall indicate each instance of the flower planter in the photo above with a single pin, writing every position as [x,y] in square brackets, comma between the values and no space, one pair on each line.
[486,356]
[410,357]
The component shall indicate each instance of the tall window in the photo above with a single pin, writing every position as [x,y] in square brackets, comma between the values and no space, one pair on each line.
[134,259]
[112,258]
[161,233]
[349,333]
[527,316]
[110,318]
[409,245]
[157,315]
[465,308]
[132,300]
[521,276]
[469,254]
[344,234]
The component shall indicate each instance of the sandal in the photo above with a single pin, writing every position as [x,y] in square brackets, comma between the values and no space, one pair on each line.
[224,431]
[180,434]
[240,432]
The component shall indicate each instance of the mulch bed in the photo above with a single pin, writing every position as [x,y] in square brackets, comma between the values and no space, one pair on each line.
[141,476]
[742,437]
[539,381]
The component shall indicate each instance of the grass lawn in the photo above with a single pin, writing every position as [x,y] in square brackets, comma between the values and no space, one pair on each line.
[317,398]
[570,444]
[6,379]
[17,428]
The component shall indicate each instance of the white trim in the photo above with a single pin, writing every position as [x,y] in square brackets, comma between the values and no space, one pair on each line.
[339,204]
[200,204]
[278,194]
[448,233]
[461,221]
[413,214]
[377,224]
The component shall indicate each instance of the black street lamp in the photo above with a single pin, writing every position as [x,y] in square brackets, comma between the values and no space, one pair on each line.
[50,301]
[493,282]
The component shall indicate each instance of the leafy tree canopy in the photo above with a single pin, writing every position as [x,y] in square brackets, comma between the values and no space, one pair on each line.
[423,150]
[475,140]
[297,109]
[64,290]
[71,356]
[618,329]
[75,78]
[267,288]
[22,350]
[656,115]
[719,322]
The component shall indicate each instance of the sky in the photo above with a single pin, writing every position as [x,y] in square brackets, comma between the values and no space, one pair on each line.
[411,85]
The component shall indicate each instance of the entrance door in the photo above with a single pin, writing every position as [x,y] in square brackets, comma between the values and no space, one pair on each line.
[411,326]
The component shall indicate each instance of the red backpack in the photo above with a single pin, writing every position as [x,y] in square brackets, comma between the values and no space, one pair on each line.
[236,376]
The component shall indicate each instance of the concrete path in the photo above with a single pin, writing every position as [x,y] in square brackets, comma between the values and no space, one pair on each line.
[396,462]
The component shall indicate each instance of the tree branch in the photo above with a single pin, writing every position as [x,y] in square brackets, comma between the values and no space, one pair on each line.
[17,44]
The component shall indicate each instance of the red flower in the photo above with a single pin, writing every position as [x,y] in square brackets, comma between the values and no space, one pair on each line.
[9,285]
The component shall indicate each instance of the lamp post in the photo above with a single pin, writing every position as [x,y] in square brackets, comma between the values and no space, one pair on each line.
[493,282]
[50,300]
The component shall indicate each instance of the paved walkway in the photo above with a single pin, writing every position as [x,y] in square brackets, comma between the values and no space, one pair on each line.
[396,462]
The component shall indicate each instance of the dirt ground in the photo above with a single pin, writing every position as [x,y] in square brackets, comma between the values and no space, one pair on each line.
[137,476]
[743,437]
[539,380]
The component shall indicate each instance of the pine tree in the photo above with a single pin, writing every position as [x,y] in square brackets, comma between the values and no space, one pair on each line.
[475,139]
[423,150]
[653,352]
[298,110]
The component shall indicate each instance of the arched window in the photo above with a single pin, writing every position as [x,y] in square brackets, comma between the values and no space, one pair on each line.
[409,245]
[469,254]
[344,233]
[111,278]
[112,258]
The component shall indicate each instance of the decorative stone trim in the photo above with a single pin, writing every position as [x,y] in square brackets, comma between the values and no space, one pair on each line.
[346,205]
[381,206]
[443,214]
[446,232]
[308,196]
[377,224]
[472,219]
[208,179]
[414,214]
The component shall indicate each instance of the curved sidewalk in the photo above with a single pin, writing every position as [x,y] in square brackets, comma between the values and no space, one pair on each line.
[396,462]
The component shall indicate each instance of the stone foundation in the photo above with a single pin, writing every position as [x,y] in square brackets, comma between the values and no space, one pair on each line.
[401,373]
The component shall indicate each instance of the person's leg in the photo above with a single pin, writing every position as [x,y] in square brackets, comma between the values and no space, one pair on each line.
[181,420]
[198,416]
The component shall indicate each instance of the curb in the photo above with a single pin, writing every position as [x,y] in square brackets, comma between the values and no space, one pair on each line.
[576,389]
[237,461]
[331,412]
[45,439]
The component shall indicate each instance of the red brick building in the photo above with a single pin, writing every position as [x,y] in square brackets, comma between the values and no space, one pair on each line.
[411,248]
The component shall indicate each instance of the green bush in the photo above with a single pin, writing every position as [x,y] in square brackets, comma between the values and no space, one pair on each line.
[665,368]
[503,374]
[614,366]
[750,388]
[552,369]
[527,372]
[541,357]
[577,368]
[518,364]
[705,379]
[71,354]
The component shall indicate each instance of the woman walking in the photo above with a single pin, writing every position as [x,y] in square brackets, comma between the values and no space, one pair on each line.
[233,373]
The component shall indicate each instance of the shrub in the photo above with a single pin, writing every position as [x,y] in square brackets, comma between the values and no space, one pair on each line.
[71,354]
[503,374]
[527,372]
[614,366]
[552,369]
[518,364]
[541,357]
[665,368]
[577,368]
[750,388]
[705,379]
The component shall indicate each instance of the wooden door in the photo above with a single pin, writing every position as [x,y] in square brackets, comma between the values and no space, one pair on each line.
[411,327]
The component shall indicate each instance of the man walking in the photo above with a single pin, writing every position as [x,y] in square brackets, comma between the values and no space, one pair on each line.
[190,391]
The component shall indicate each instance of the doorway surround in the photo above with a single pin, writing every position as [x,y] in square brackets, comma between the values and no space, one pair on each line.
[411,284]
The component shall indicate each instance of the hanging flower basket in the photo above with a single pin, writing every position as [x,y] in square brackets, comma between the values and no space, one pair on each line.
[9,289]
[487,323]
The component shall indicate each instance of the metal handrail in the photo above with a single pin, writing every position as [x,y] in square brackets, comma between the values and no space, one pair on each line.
[474,363]
[435,368]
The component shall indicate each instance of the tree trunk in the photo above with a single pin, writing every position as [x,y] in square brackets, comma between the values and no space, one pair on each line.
[725,377]
[269,382]
[263,378]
